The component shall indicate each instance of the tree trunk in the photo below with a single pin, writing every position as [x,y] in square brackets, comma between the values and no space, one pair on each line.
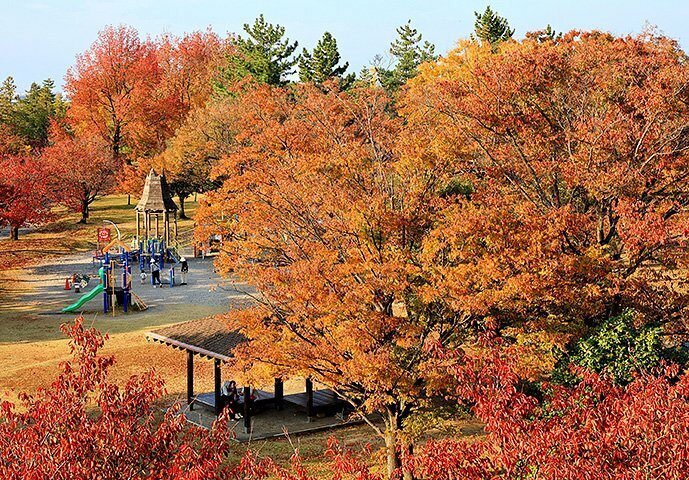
[14,233]
[395,444]
[391,450]
[84,211]
[181,205]
[129,199]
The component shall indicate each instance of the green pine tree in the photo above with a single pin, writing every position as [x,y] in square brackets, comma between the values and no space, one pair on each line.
[264,54]
[33,113]
[409,53]
[8,99]
[548,34]
[323,63]
[491,28]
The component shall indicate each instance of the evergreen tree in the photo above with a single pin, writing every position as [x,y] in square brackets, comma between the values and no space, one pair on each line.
[264,54]
[491,27]
[409,53]
[8,99]
[548,34]
[33,113]
[322,63]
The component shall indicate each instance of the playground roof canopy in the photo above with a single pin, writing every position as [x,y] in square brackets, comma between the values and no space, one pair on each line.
[208,337]
[156,195]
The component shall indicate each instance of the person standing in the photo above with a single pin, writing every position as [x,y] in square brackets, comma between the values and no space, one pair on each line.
[155,273]
[184,270]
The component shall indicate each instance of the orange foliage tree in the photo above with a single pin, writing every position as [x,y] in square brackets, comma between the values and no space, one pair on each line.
[572,159]
[110,89]
[325,220]
[206,135]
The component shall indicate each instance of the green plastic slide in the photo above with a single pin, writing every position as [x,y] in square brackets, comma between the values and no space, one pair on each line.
[87,296]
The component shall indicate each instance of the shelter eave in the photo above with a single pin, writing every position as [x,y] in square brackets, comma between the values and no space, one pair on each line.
[152,336]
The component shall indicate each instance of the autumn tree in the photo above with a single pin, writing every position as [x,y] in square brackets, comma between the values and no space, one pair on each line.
[594,430]
[110,90]
[323,63]
[323,218]
[25,199]
[573,207]
[491,28]
[196,148]
[81,169]
[264,54]
[188,67]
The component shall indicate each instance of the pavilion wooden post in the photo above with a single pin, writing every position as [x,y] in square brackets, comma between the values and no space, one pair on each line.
[309,400]
[138,225]
[247,409]
[218,401]
[279,393]
[190,379]
[157,223]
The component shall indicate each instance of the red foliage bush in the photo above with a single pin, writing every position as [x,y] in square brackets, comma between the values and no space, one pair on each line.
[595,430]
[86,427]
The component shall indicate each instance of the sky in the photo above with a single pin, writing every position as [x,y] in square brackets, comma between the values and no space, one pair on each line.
[41,39]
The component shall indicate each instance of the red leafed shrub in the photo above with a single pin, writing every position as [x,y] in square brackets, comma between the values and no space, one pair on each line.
[595,430]
[86,427]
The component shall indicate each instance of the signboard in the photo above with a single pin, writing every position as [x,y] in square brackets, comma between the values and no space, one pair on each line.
[103,235]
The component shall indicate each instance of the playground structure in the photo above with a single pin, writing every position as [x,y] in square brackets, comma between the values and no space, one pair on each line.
[152,243]
[155,250]
[115,275]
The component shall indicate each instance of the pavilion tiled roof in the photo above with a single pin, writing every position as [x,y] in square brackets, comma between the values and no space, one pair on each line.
[208,337]
[156,196]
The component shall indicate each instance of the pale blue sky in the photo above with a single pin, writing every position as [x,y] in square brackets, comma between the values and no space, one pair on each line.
[40,39]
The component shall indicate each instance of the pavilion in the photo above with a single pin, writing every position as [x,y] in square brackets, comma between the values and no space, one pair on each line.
[210,339]
[156,203]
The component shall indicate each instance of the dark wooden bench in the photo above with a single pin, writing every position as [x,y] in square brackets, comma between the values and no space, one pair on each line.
[325,401]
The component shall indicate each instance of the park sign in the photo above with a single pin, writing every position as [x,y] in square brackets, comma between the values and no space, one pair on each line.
[103,235]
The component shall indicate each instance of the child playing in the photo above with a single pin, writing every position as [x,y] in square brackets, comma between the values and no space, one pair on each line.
[143,277]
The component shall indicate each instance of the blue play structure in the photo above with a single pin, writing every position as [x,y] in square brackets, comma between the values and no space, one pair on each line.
[116,267]
[155,250]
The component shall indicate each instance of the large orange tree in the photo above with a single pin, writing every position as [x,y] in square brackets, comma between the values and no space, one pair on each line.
[531,190]
[574,159]
[110,90]
[327,222]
